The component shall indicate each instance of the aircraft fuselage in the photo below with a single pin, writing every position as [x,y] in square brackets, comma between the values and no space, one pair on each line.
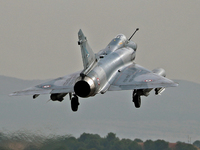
[117,55]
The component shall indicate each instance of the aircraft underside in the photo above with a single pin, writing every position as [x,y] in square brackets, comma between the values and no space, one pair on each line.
[136,97]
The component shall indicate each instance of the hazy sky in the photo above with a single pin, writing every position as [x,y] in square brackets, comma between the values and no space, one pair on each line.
[38,39]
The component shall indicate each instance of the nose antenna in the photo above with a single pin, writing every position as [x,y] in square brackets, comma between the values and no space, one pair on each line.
[133,34]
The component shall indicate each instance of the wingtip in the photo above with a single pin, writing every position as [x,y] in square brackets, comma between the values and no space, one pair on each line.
[13,94]
[17,93]
[175,84]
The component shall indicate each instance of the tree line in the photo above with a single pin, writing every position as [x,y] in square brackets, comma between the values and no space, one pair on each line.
[86,141]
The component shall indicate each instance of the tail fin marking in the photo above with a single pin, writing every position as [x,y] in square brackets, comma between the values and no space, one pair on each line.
[88,55]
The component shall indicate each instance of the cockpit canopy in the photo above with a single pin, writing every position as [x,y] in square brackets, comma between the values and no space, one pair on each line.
[117,42]
[121,37]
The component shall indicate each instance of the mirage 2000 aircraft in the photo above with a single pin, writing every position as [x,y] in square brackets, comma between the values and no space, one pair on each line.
[111,69]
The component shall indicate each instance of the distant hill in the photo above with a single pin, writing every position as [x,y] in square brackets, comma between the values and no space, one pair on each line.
[172,116]
[10,84]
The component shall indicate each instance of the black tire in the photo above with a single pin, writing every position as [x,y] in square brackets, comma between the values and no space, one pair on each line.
[137,101]
[74,103]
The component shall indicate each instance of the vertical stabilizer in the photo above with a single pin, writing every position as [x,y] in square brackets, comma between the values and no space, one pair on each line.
[88,55]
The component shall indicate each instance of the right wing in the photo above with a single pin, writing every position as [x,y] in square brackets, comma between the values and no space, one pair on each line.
[60,85]
[135,76]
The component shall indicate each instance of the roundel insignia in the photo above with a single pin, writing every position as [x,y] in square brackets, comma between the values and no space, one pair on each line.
[46,86]
[98,81]
[148,80]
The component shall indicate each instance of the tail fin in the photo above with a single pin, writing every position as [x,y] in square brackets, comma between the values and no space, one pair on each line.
[88,55]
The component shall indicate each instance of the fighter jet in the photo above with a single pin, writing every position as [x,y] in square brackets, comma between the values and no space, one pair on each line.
[111,69]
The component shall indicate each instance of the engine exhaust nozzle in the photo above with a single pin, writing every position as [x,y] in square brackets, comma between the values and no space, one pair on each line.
[84,87]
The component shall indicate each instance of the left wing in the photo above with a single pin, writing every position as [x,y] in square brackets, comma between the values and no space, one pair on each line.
[60,85]
[138,77]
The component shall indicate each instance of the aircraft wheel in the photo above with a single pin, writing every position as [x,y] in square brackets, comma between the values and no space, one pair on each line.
[74,103]
[137,101]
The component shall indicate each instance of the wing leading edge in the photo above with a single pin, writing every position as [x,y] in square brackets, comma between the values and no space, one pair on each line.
[137,77]
[60,85]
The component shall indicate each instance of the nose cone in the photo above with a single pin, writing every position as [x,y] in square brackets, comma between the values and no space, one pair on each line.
[132,45]
[135,47]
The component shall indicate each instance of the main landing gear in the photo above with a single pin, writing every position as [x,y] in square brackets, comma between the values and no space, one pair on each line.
[136,99]
[74,102]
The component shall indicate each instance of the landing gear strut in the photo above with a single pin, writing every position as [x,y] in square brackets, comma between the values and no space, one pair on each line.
[136,99]
[74,103]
